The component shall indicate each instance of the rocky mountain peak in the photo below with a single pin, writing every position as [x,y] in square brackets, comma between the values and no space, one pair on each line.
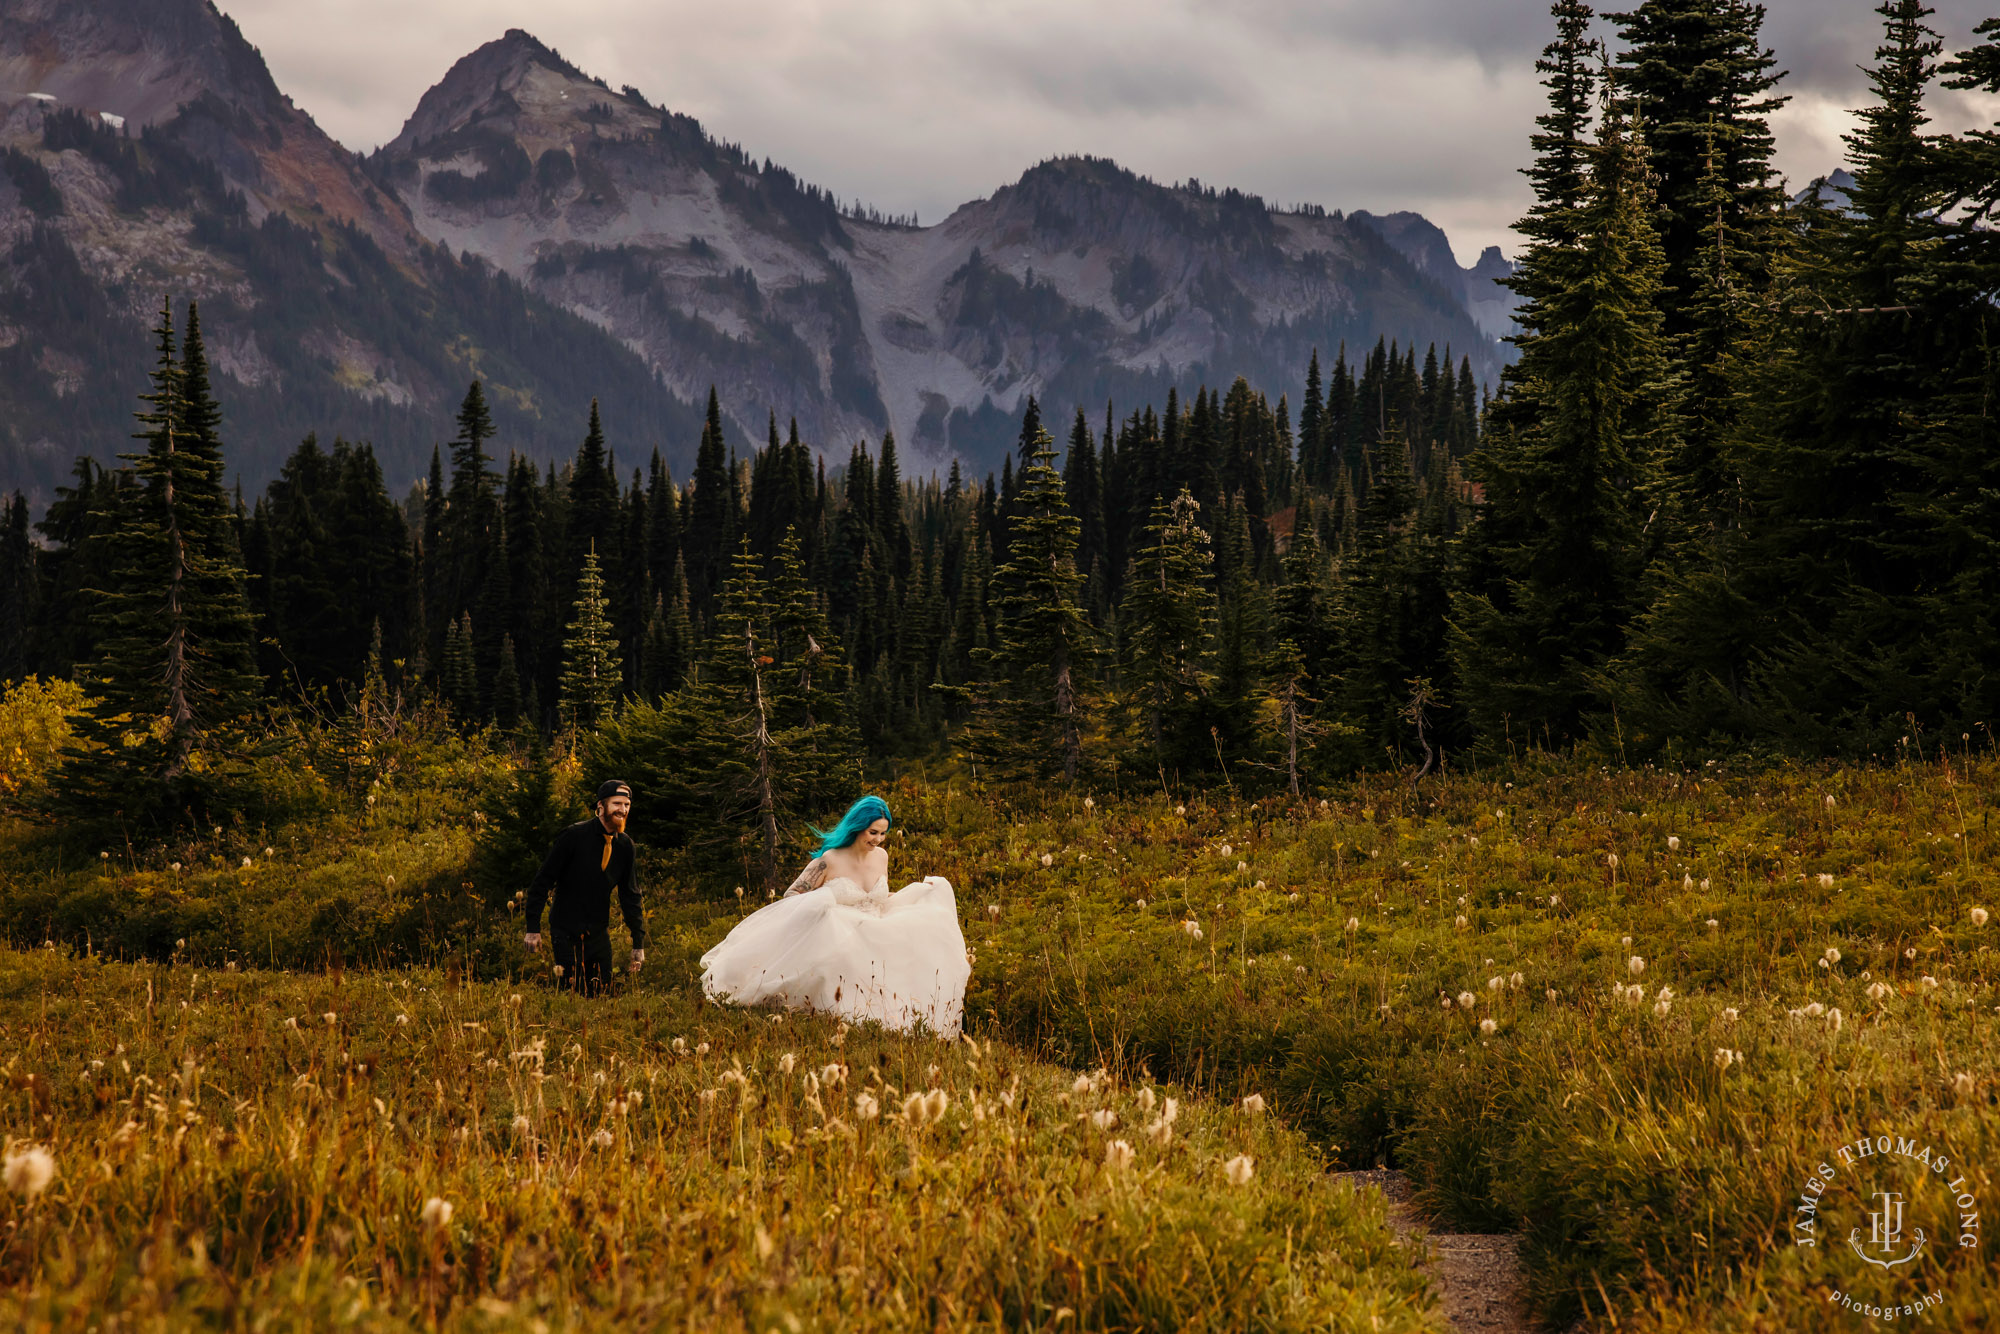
[139,60]
[519,87]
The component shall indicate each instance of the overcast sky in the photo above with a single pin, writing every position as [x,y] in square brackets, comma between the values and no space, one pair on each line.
[921,105]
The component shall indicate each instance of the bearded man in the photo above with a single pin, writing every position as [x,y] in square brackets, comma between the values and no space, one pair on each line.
[588,861]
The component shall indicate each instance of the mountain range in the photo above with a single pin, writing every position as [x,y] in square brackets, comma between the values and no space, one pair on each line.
[564,241]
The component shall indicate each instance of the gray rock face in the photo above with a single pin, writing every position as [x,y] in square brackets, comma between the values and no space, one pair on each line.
[673,261]
[1079,282]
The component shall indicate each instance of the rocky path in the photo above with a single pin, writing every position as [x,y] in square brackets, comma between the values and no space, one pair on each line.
[1478,1276]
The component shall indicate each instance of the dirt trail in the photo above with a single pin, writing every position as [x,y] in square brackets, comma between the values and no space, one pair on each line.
[1478,1276]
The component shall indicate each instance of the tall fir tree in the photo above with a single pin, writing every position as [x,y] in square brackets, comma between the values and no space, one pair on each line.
[1168,622]
[1044,647]
[1553,560]
[175,684]
[590,682]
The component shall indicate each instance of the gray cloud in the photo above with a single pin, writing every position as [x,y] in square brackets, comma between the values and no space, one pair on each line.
[924,104]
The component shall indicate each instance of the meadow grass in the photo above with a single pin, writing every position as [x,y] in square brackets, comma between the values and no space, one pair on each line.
[1439,978]
[1627,1013]
[381,1150]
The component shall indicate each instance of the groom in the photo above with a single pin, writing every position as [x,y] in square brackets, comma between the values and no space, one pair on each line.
[586,863]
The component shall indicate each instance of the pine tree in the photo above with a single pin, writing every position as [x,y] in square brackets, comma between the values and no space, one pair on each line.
[1698,73]
[590,668]
[175,680]
[19,590]
[1553,560]
[506,691]
[1044,645]
[706,538]
[1168,620]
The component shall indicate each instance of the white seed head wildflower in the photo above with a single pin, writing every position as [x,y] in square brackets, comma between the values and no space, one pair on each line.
[1180,810]
[1713,924]
[1081,1085]
[1815,1009]
[701,1049]
[1089,804]
[1140,904]
[177,866]
[1228,851]
[1459,922]
[913,1109]
[437,1212]
[1962,1084]
[1979,917]
[1550,993]
[1826,963]
[1118,1155]
[1724,1058]
[402,1020]
[1635,965]
[1161,1132]
[1466,1000]
[1825,880]
[1704,884]
[28,1170]
[1192,928]
[602,1139]
[331,1018]
[1673,842]
[1687,882]
[1354,924]
[786,1062]
[1928,983]
[522,1126]
[1254,1103]
[1514,981]
[1104,1119]
[1146,1099]
[1876,991]
[1834,1019]
[993,911]
[1910,953]
[1626,941]
[1445,1001]
[1729,1015]
[1832,954]
[1048,859]
[1612,859]
[1661,1008]
[1240,1169]
[246,863]
[866,1107]
[1489,1027]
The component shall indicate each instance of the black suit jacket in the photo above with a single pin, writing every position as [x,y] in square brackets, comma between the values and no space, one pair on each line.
[582,886]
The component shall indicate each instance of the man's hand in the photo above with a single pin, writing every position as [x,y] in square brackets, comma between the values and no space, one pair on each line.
[638,957]
[533,940]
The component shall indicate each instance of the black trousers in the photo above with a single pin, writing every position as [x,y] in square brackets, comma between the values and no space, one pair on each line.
[585,960]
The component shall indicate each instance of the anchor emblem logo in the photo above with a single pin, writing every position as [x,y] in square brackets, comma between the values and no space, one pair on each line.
[1885,1233]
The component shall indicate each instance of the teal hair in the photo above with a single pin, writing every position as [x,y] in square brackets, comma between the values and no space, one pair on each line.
[859,816]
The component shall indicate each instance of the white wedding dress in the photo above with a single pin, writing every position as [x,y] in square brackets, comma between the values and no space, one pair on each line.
[898,959]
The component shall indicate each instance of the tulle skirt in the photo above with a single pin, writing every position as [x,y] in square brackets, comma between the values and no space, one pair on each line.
[898,959]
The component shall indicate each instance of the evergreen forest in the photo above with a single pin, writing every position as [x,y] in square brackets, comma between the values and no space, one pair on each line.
[1734,493]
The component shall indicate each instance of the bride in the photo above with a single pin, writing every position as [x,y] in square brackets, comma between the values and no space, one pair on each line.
[841,943]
